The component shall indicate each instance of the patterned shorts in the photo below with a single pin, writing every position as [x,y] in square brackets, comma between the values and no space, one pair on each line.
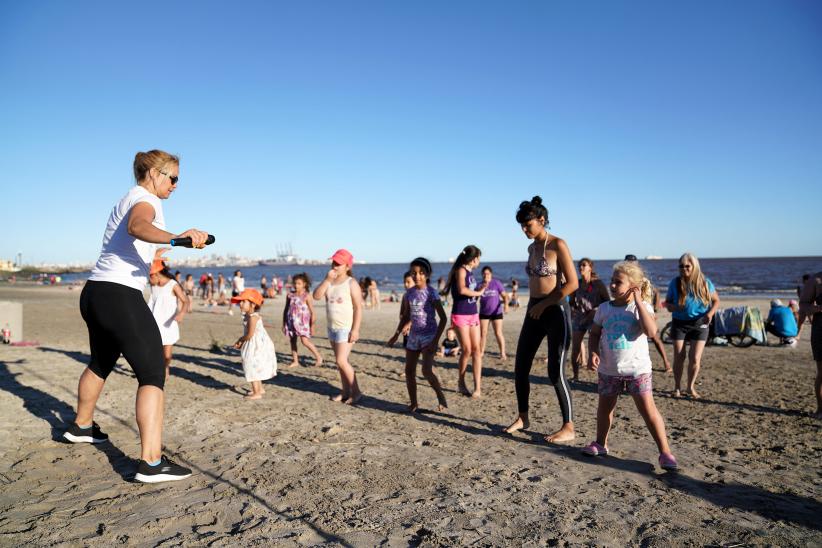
[615,385]
[418,341]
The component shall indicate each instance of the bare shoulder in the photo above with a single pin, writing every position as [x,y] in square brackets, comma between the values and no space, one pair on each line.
[558,244]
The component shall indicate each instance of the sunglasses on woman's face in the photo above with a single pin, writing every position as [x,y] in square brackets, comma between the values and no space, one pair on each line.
[684,266]
[173,179]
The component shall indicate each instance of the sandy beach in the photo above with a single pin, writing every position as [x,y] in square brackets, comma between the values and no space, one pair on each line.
[297,469]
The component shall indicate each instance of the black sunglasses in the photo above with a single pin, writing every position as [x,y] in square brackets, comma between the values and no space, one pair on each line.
[684,266]
[173,179]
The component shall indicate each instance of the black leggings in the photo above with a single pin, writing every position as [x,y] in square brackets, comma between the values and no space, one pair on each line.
[554,324]
[119,322]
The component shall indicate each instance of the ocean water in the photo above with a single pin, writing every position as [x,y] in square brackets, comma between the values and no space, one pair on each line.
[759,276]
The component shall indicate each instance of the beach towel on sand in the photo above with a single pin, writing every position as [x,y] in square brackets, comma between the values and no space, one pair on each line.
[740,320]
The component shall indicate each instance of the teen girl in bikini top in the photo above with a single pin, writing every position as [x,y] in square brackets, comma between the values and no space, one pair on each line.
[542,268]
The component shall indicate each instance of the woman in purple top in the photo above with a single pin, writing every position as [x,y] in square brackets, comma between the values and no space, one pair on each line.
[493,303]
[464,315]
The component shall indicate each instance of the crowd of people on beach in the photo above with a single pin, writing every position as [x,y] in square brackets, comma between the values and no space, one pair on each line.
[563,306]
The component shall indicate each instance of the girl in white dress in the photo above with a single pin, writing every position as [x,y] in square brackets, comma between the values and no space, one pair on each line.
[168,305]
[256,347]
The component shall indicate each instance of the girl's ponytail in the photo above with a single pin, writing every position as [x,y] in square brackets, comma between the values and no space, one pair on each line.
[468,254]
[647,290]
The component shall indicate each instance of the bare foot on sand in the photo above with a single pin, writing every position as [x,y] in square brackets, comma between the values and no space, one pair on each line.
[566,433]
[318,362]
[462,389]
[503,358]
[253,397]
[694,394]
[676,393]
[443,405]
[518,424]
[295,363]
[476,395]
[353,399]
[338,397]
[412,408]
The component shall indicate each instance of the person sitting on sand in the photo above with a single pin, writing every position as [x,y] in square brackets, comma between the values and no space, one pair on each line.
[619,355]
[417,321]
[256,347]
[344,305]
[450,345]
[782,323]
[298,319]
[692,301]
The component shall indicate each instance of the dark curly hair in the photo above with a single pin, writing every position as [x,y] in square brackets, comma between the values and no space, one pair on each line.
[532,210]
[304,277]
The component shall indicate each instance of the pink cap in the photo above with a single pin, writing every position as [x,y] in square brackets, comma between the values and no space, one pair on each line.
[343,256]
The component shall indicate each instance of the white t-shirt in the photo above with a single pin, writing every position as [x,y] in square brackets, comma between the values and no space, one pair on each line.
[124,259]
[623,346]
[238,284]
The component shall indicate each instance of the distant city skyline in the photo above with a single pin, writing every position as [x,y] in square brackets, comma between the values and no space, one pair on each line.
[398,130]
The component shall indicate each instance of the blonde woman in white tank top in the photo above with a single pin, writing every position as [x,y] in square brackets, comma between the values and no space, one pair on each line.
[344,309]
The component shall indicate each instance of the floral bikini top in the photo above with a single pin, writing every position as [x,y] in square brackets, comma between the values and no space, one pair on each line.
[542,270]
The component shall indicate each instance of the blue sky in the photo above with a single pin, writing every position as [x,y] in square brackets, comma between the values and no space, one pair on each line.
[404,128]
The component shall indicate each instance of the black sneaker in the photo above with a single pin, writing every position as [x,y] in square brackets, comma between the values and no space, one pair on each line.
[75,434]
[165,471]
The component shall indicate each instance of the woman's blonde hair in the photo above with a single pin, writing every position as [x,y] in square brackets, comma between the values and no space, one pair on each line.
[157,159]
[636,276]
[696,284]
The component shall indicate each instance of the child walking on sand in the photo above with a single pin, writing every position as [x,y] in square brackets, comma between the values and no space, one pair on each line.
[168,304]
[344,303]
[256,347]
[298,319]
[417,322]
[620,335]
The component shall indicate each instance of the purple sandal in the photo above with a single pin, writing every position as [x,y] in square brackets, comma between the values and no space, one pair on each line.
[594,449]
[668,462]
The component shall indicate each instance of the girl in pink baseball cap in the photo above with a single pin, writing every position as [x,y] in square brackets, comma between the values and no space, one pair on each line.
[344,304]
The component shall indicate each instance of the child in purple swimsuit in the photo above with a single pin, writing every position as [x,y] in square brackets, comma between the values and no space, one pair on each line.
[417,321]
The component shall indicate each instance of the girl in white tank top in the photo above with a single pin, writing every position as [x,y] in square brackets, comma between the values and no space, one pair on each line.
[344,312]
[168,304]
